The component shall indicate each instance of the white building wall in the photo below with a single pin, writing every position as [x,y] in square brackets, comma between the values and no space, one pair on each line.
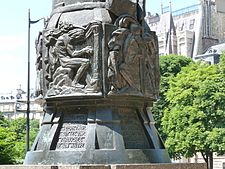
[13,108]
[217,160]
[220,6]
[185,43]
[188,28]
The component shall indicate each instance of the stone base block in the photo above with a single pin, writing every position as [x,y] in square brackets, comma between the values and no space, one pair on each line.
[97,131]
[120,166]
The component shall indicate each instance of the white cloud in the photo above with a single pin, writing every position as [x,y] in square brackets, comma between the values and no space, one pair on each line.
[10,82]
[9,59]
[13,63]
[11,42]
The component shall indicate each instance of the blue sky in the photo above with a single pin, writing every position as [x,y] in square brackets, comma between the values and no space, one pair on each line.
[13,37]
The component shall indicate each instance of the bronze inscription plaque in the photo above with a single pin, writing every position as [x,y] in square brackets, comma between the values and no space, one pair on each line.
[73,132]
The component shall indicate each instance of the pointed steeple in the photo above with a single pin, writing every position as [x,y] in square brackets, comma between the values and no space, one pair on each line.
[167,27]
[170,6]
[161,7]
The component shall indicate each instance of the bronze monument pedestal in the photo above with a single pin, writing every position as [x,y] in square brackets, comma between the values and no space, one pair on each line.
[98,68]
[97,130]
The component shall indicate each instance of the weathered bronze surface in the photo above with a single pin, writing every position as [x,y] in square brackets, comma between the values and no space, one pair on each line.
[98,68]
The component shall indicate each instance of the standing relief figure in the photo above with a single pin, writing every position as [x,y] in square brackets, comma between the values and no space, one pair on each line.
[131,59]
[125,57]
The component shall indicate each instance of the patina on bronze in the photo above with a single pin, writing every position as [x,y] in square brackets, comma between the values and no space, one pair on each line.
[98,70]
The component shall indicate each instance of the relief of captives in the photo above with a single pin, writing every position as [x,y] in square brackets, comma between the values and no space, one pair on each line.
[67,59]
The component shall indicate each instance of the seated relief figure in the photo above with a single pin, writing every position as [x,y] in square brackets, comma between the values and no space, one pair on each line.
[69,63]
[76,42]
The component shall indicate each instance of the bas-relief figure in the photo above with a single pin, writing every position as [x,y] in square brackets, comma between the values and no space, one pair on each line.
[132,62]
[98,71]
[69,59]
[69,63]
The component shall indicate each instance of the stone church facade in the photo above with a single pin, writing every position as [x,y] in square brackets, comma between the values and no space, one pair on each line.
[189,31]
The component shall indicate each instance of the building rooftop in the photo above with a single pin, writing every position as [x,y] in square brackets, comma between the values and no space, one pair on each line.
[182,11]
[19,94]
[218,49]
[185,10]
[212,54]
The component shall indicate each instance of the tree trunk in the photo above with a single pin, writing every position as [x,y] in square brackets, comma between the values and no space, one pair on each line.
[208,157]
[210,160]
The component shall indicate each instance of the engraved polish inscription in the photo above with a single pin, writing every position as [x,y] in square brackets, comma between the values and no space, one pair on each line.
[73,133]
[132,130]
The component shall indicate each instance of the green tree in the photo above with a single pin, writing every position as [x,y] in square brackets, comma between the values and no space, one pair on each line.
[194,120]
[7,139]
[13,139]
[170,65]
[19,127]
[3,122]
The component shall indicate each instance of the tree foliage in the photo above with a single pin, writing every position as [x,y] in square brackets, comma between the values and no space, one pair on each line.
[170,66]
[7,139]
[194,120]
[13,139]
[3,122]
